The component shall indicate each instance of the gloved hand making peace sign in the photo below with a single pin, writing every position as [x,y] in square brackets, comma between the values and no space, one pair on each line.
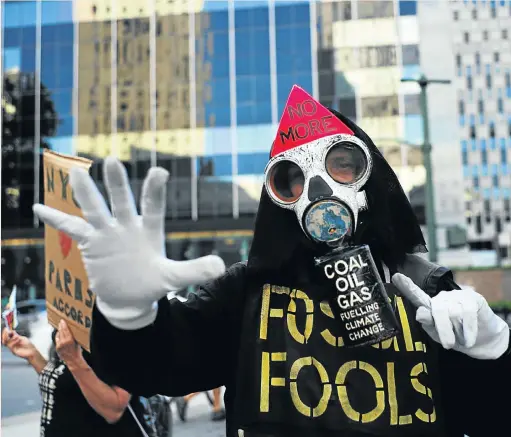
[123,252]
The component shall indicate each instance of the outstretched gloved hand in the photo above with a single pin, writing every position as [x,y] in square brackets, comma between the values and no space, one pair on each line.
[124,253]
[459,319]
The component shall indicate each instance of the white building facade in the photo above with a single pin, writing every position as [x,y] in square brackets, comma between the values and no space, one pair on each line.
[482,50]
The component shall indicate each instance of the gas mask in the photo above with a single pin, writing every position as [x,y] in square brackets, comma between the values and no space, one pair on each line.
[317,169]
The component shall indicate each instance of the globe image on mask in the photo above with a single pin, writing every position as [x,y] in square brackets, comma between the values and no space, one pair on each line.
[327,221]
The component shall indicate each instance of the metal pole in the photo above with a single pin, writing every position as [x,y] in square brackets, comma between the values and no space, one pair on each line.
[430,195]
[423,82]
[37,104]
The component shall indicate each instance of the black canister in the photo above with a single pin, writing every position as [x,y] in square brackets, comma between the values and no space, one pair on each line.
[362,305]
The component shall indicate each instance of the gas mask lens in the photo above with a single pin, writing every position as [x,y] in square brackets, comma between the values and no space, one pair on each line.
[286,181]
[346,163]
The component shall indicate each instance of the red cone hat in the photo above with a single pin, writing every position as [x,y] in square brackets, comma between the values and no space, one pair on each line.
[304,120]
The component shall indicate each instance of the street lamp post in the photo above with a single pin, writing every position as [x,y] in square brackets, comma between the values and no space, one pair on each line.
[423,82]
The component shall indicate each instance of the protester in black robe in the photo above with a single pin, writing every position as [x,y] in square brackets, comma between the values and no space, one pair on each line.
[267,329]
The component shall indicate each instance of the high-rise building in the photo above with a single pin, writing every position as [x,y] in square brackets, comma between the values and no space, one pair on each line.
[198,86]
[483,67]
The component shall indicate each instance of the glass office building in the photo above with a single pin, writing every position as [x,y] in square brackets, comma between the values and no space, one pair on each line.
[196,87]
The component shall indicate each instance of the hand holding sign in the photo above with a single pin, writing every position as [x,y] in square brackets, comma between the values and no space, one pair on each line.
[67,348]
[124,254]
[459,319]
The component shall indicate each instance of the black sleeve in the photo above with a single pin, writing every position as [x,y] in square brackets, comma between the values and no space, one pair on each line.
[475,392]
[191,346]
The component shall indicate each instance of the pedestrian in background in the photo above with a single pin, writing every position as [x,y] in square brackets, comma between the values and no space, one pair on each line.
[218,410]
[77,401]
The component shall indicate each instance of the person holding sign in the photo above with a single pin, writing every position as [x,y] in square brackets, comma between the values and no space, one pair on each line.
[334,326]
[76,400]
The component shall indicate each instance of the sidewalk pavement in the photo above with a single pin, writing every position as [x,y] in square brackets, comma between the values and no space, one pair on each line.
[198,423]
[23,425]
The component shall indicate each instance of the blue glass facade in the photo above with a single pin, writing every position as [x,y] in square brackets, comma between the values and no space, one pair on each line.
[293,57]
[223,75]
[37,60]
[252,53]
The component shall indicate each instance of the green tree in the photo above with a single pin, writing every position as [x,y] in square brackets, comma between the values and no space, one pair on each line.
[18,145]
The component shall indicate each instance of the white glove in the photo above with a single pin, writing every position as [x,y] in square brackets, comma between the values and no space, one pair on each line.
[459,319]
[124,255]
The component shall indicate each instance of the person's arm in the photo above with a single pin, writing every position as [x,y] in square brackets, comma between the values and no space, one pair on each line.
[110,402]
[37,361]
[191,346]
[474,392]
[22,347]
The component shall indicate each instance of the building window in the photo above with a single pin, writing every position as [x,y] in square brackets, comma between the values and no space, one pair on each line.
[407,7]
[464,156]
[474,14]
[479,227]
[478,59]
[475,182]
[495,179]
[494,11]
[348,106]
[488,81]
[469,82]
[500,105]
[487,207]
[411,55]
[466,37]
[504,33]
[498,225]
[379,9]
[458,61]
[473,134]
[496,57]
[484,156]
[503,153]
[508,79]
[380,106]
[480,106]
[341,10]
[455,15]
[492,130]
[485,35]
[461,107]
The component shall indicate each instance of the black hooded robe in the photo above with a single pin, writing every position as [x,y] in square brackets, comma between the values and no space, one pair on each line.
[266,332]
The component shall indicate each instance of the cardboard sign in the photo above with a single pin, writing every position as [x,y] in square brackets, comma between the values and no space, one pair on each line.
[67,293]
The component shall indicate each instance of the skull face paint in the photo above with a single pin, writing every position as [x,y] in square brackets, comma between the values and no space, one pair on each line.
[317,169]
